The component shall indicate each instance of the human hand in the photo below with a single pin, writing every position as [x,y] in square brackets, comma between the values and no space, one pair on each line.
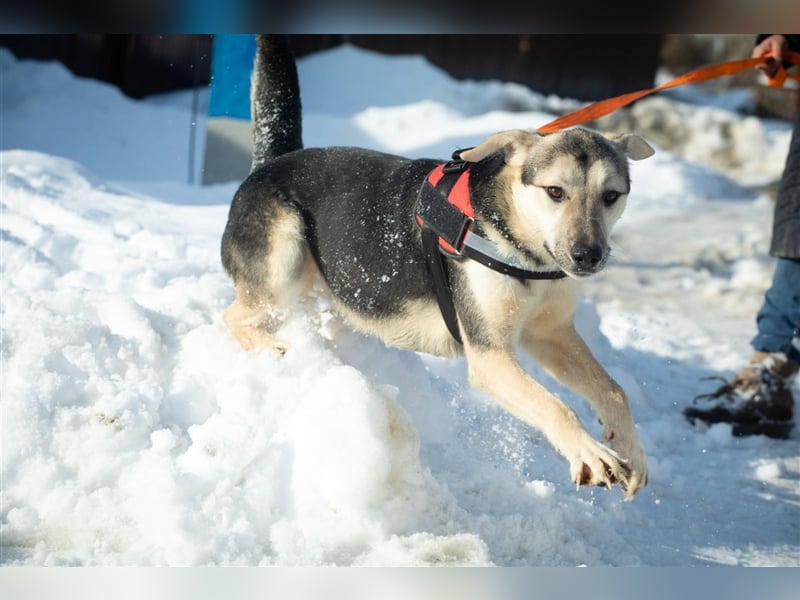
[776,45]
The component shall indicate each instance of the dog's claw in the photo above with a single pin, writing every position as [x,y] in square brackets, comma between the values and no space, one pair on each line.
[599,465]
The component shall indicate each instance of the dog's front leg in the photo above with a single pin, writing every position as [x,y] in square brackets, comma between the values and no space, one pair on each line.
[497,372]
[562,352]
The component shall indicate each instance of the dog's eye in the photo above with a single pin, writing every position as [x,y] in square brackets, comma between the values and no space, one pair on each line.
[556,193]
[610,197]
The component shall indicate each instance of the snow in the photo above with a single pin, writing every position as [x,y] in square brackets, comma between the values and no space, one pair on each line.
[135,431]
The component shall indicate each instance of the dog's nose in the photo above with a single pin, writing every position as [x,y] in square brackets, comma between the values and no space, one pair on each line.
[586,256]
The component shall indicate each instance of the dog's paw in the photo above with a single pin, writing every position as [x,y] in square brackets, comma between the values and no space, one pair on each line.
[592,463]
[257,338]
[632,452]
[274,346]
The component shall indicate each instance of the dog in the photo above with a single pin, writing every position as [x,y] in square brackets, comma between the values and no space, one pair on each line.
[503,275]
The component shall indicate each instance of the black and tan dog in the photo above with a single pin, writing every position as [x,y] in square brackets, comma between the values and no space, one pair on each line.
[516,222]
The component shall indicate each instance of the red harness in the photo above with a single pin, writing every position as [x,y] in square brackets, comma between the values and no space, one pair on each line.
[458,197]
[452,225]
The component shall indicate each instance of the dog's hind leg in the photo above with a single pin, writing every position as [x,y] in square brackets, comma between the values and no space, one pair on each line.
[251,325]
[266,253]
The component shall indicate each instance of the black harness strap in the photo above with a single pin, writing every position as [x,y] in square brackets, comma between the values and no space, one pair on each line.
[441,280]
[469,251]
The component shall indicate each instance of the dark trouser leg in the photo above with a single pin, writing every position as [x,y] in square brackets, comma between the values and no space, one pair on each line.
[786,224]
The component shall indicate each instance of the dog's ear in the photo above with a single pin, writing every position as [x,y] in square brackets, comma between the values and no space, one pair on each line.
[515,143]
[633,145]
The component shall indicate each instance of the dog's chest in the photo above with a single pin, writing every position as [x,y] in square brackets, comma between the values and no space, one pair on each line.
[509,304]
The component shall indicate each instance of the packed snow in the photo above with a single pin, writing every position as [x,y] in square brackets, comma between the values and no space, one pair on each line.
[135,431]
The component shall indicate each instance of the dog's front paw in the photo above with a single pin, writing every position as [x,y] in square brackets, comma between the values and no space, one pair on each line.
[592,463]
[624,464]
[630,449]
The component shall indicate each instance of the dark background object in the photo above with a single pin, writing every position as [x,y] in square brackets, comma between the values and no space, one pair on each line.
[580,66]
[138,64]
[585,67]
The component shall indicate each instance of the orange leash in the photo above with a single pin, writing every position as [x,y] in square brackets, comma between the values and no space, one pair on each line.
[604,107]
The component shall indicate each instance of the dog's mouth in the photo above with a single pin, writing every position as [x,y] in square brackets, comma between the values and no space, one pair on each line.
[580,262]
[582,274]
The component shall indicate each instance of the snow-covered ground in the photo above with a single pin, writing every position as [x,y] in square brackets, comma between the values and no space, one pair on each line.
[135,431]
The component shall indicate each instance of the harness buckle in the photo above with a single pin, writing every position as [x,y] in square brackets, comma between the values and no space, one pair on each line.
[454,166]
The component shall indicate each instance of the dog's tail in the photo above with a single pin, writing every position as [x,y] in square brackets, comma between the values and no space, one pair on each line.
[274,100]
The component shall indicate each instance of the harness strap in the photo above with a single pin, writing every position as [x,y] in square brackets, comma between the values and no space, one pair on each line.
[483,251]
[441,281]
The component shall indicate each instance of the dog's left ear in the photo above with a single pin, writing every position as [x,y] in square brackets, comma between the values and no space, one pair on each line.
[514,143]
[633,145]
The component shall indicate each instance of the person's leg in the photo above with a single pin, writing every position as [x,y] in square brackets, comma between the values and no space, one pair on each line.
[779,318]
[758,399]
[786,222]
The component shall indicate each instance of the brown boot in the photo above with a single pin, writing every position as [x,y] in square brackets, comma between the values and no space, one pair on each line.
[758,400]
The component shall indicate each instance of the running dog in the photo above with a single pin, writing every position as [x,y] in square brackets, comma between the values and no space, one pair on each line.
[469,257]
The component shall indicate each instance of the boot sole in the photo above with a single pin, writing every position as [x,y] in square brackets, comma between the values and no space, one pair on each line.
[774,429]
[741,426]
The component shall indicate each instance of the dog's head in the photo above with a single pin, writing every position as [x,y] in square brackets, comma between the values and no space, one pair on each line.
[563,192]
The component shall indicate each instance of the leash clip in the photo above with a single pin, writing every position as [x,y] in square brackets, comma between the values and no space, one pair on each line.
[456,164]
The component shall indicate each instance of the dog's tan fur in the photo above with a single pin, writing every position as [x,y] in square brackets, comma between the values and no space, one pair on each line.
[287,273]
